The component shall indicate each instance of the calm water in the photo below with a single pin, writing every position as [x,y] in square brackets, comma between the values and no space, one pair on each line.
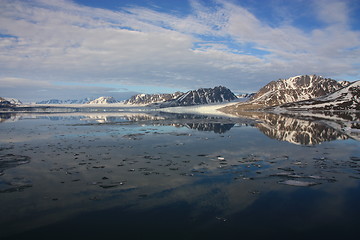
[172,176]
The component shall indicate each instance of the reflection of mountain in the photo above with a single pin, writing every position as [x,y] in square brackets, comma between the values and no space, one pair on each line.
[297,131]
[198,122]
[9,117]
[121,118]
[215,127]
[304,129]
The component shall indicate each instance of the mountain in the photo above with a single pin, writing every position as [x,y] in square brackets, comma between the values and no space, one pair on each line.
[347,98]
[244,97]
[103,100]
[69,101]
[296,89]
[289,90]
[202,96]
[152,98]
[5,103]
[13,101]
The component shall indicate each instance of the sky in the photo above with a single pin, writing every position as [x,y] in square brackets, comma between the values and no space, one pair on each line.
[72,49]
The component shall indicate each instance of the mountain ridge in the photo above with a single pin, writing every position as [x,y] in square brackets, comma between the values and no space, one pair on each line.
[68,101]
[200,96]
[295,89]
[103,100]
[152,98]
[5,103]
[287,91]
[217,94]
[347,98]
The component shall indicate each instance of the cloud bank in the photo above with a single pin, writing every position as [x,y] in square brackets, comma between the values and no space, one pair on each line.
[43,43]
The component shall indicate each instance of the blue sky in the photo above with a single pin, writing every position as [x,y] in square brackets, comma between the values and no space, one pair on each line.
[88,48]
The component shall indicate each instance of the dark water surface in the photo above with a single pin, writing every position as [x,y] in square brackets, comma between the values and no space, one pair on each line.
[172,176]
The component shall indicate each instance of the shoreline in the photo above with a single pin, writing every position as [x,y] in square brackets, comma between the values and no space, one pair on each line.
[205,109]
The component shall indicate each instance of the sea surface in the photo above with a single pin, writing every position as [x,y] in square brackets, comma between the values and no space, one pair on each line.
[176,176]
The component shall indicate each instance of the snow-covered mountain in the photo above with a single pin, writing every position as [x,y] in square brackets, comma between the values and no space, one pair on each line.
[5,103]
[103,100]
[68,101]
[295,89]
[244,97]
[347,98]
[152,98]
[202,96]
[50,101]
[13,101]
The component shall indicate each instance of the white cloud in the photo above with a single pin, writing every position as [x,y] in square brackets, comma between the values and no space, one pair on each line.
[333,12]
[29,90]
[9,82]
[63,41]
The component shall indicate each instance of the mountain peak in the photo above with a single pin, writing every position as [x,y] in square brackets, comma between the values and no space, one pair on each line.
[152,98]
[217,94]
[296,88]
[347,98]
[103,100]
[192,97]
[68,101]
[4,103]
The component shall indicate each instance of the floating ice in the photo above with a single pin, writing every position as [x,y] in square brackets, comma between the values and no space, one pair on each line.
[298,183]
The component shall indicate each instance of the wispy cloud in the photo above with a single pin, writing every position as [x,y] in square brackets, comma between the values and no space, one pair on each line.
[221,43]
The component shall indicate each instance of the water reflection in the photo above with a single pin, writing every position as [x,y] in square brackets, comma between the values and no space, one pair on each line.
[297,131]
[10,117]
[172,182]
[304,130]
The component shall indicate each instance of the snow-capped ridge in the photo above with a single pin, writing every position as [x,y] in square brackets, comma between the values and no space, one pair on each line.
[346,98]
[68,101]
[5,103]
[152,98]
[103,100]
[217,94]
[295,89]
[13,101]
